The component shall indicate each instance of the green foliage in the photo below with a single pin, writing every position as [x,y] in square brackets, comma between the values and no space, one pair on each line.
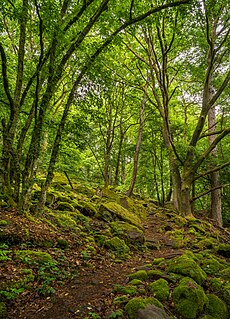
[11,293]
[3,310]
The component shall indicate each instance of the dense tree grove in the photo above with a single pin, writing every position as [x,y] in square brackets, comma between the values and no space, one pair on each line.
[126,94]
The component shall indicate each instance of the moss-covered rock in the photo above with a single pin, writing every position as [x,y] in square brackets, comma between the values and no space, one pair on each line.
[216,284]
[3,222]
[152,312]
[189,298]
[186,266]
[120,300]
[136,282]
[64,220]
[154,274]
[62,243]
[130,233]
[225,273]
[135,304]
[211,265]
[216,307]
[223,250]
[206,243]
[160,289]
[3,310]
[117,245]
[87,208]
[65,206]
[157,261]
[112,212]
[31,256]
[140,274]
[226,291]
[126,290]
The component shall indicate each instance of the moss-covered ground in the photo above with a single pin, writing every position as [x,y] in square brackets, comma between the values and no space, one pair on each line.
[99,254]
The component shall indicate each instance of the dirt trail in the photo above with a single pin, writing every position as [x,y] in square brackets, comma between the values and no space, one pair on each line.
[92,289]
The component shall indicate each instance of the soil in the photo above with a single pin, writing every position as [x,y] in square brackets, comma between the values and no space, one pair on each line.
[90,293]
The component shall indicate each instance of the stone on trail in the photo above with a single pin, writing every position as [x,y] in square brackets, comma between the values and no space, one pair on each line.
[152,312]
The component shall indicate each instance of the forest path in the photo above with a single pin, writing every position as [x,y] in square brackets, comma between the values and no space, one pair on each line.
[92,289]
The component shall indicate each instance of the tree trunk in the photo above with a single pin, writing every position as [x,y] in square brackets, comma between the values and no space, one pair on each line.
[139,138]
[216,203]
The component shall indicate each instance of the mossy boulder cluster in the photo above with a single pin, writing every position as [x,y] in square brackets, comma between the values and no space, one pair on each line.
[193,285]
[193,292]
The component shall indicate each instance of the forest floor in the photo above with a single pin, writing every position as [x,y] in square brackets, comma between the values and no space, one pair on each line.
[90,293]
[54,265]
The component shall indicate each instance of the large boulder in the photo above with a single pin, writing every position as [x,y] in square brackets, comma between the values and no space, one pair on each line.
[216,307]
[130,233]
[112,211]
[189,298]
[152,312]
[186,266]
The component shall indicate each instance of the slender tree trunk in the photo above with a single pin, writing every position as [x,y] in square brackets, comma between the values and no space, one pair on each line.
[139,138]
[216,203]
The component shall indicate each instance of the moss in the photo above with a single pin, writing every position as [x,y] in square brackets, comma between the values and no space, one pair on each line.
[31,256]
[154,274]
[64,220]
[189,298]
[186,266]
[136,282]
[3,310]
[225,273]
[207,243]
[216,307]
[117,245]
[216,284]
[3,222]
[112,211]
[135,304]
[120,300]
[211,265]
[62,243]
[130,233]
[101,239]
[223,250]
[226,291]
[160,289]
[65,206]
[29,276]
[127,290]
[140,274]
[157,261]
[87,209]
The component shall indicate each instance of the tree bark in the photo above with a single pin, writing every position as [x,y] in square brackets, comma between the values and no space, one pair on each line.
[139,138]
[216,202]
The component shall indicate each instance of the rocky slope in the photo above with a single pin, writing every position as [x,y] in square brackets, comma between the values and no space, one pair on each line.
[95,253]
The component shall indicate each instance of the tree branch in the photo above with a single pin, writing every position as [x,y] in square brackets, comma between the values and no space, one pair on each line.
[209,149]
[5,78]
[217,168]
[208,191]
[220,90]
